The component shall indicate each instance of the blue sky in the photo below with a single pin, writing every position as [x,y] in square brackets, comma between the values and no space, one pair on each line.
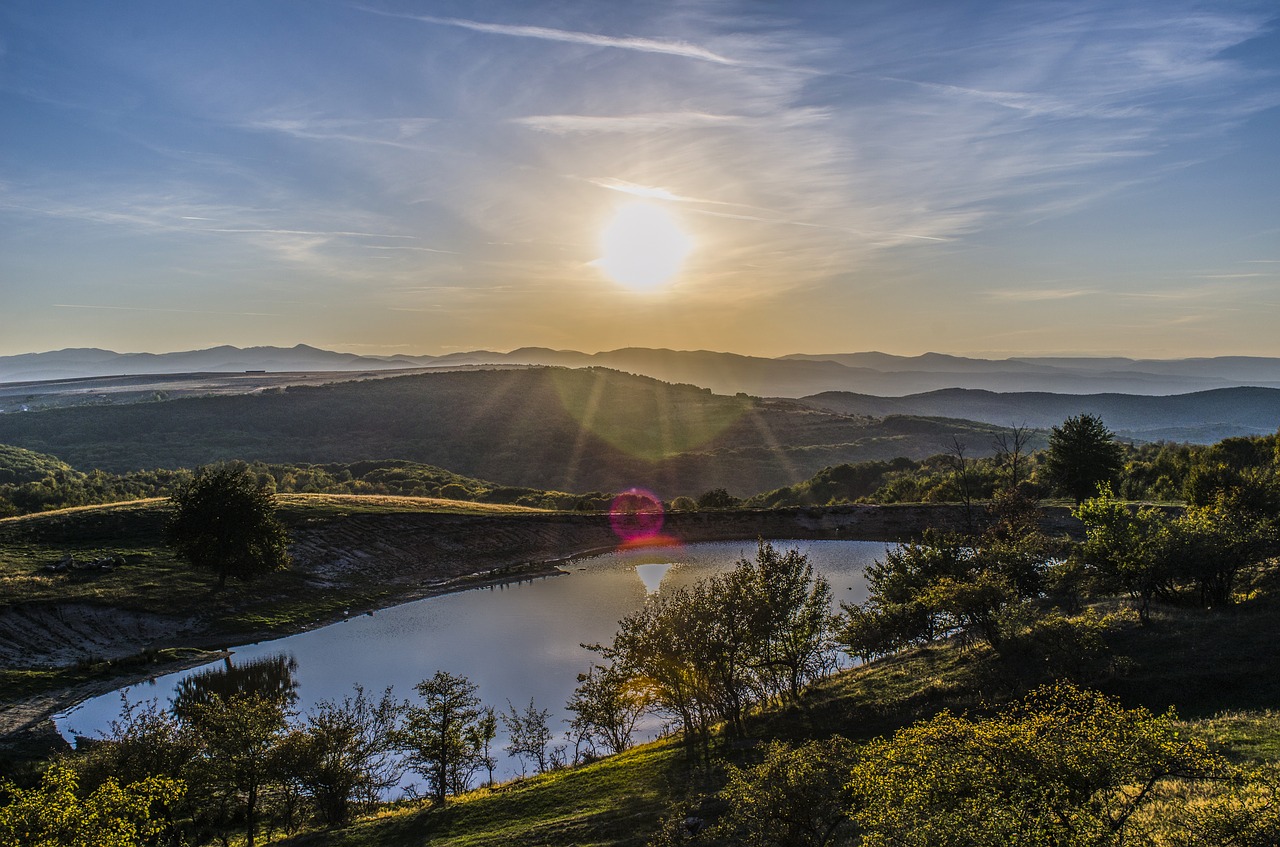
[390,176]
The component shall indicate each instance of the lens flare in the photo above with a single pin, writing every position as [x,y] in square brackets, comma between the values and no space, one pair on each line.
[636,516]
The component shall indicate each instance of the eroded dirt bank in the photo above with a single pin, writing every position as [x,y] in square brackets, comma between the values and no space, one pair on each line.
[411,555]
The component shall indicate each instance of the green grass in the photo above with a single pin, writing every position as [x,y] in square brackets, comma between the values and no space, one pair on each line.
[1202,662]
[24,682]
[616,801]
[1244,737]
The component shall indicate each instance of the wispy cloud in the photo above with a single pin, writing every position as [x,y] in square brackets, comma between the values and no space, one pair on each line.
[1030,295]
[175,311]
[323,233]
[389,132]
[651,122]
[668,47]
[666,121]
[414,249]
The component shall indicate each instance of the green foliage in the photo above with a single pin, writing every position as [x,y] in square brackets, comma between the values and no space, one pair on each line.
[343,756]
[145,741]
[1127,549]
[239,738]
[1067,766]
[952,585]
[57,814]
[18,466]
[1245,815]
[1151,554]
[1082,455]
[717,498]
[224,520]
[845,483]
[605,707]
[795,797]
[442,737]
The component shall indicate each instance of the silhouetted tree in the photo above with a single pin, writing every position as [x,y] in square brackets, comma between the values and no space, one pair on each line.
[224,520]
[1082,454]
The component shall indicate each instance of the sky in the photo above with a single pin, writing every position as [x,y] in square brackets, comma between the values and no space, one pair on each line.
[391,176]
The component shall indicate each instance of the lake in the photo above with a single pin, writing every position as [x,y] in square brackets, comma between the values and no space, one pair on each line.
[515,641]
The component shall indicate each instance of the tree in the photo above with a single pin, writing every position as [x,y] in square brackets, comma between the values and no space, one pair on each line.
[717,498]
[1082,454]
[224,520]
[1011,455]
[240,735]
[529,733]
[344,756]
[55,814]
[787,611]
[962,475]
[442,738]
[606,707]
[795,797]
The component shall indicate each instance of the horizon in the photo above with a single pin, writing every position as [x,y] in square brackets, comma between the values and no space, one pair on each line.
[989,180]
[994,356]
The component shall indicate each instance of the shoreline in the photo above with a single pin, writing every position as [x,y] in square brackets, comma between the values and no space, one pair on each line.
[29,720]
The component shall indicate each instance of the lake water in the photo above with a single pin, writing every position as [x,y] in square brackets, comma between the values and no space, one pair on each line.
[514,641]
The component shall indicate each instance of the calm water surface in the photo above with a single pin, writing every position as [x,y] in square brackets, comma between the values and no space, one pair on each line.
[514,641]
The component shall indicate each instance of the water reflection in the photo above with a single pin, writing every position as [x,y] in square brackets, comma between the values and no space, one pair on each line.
[651,575]
[270,677]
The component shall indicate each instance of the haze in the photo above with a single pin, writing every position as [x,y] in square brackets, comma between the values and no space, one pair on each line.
[410,177]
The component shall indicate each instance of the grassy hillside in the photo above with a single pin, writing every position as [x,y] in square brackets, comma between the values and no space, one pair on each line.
[18,466]
[1194,661]
[549,428]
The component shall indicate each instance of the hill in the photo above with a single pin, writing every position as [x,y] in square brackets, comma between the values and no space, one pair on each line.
[18,466]
[547,428]
[1201,417]
[726,373]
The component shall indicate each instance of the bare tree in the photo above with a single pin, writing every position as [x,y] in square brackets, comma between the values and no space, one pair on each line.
[1011,453]
[961,475]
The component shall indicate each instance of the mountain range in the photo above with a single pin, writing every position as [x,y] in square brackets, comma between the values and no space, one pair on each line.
[792,376]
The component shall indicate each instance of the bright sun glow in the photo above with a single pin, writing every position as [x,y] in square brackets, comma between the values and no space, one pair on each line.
[642,247]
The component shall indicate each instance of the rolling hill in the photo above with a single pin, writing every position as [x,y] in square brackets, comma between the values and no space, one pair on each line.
[1201,417]
[552,428]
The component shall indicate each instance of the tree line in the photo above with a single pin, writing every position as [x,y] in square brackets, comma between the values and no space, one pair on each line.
[1159,472]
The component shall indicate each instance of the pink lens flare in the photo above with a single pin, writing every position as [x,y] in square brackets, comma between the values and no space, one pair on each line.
[636,515]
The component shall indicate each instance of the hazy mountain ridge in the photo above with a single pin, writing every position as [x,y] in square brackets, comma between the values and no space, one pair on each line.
[796,375]
[1202,416]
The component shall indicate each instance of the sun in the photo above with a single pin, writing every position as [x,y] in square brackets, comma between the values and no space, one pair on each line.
[642,247]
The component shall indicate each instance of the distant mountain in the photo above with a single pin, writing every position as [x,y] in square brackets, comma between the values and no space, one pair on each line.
[797,375]
[76,363]
[552,428]
[1201,417]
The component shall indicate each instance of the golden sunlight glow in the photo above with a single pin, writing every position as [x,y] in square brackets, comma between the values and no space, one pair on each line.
[642,248]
